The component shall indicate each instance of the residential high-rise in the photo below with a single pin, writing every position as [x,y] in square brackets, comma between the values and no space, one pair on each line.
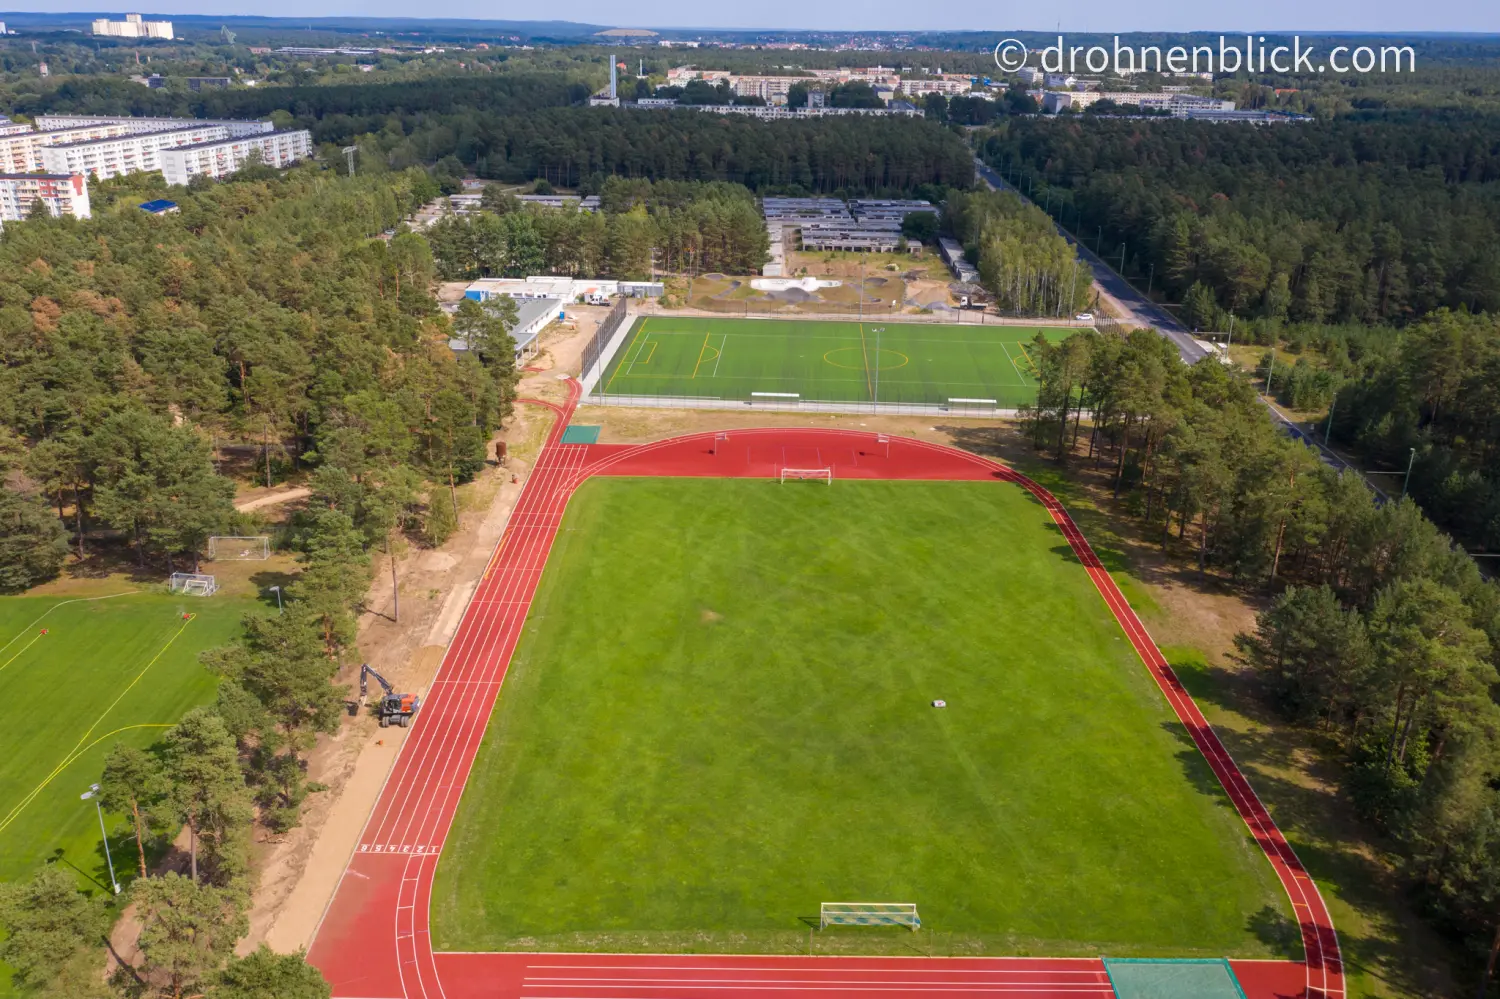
[63,194]
[133,27]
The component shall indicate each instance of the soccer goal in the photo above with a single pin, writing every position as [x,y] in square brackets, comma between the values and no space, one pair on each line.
[869,914]
[223,548]
[194,584]
[798,474]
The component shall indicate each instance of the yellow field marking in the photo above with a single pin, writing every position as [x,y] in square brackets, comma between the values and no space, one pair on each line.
[62,603]
[649,355]
[828,359]
[1030,364]
[700,353]
[1019,374]
[15,812]
[79,748]
[633,341]
[18,655]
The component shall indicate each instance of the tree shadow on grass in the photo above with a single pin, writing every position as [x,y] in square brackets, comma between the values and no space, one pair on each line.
[264,580]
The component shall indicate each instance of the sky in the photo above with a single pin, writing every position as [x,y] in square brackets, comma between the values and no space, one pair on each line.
[1400,16]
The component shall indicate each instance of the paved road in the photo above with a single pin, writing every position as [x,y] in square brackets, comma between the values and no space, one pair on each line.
[1147,313]
[1142,309]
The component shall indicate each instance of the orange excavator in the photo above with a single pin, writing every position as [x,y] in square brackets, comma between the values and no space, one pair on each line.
[395,709]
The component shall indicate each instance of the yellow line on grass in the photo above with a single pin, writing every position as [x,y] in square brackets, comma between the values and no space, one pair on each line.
[63,603]
[79,748]
[633,341]
[18,655]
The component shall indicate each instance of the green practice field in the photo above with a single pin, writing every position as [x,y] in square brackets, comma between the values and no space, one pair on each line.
[720,716]
[826,361]
[120,669]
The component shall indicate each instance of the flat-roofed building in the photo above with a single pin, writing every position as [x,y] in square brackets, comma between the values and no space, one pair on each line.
[532,316]
[133,27]
[125,154]
[63,194]
[222,157]
[132,125]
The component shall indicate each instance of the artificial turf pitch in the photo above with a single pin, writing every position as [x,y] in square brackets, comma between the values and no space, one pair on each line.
[117,669]
[720,716]
[826,361]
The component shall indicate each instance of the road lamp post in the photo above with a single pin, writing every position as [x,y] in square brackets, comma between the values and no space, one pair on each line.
[277,590]
[93,794]
[1406,480]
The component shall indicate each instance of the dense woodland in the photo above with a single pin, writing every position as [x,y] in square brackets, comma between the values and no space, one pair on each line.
[518,125]
[1381,632]
[132,349]
[1023,262]
[1359,220]
[682,226]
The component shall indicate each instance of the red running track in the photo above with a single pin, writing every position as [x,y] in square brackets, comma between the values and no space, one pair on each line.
[374,940]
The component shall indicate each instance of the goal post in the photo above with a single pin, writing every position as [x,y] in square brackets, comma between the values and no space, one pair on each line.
[227,548]
[869,914]
[813,474]
[194,584]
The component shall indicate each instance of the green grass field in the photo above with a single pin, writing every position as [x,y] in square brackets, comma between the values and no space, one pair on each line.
[117,669]
[719,716]
[826,361]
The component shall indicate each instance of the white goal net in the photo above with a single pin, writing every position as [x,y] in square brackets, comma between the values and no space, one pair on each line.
[194,584]
[814,474]
[223,548]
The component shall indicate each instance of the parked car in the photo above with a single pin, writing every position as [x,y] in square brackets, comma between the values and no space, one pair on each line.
[1084,317]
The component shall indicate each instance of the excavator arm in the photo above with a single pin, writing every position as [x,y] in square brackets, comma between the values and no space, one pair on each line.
[365,672]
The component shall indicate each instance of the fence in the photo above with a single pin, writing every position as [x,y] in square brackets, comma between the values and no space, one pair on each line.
[956,409]
[606,340]
[839,312]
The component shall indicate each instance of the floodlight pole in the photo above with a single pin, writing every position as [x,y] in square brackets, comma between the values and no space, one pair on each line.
[1406,480]
[93,793]
[876,401]
[277,590]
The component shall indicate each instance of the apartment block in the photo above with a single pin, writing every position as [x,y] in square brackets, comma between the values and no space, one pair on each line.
[133,27]
[113,157]
[224,156]
[235,127]
[62,194]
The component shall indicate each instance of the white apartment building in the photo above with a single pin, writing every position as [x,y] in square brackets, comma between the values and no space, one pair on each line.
[62,194]
[771,88]
[123,154]
[936,85]
[1055,101]
[236,127]
[223,157]
[133,27]
[22,152]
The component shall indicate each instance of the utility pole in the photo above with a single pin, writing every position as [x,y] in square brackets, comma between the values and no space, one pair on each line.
[1099,241]
[93,793]
[1406,481]
[1328,427]
[1150,280]
[1270,370]
[1122,259]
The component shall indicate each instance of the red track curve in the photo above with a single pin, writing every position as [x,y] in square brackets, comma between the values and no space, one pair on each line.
[374,939]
